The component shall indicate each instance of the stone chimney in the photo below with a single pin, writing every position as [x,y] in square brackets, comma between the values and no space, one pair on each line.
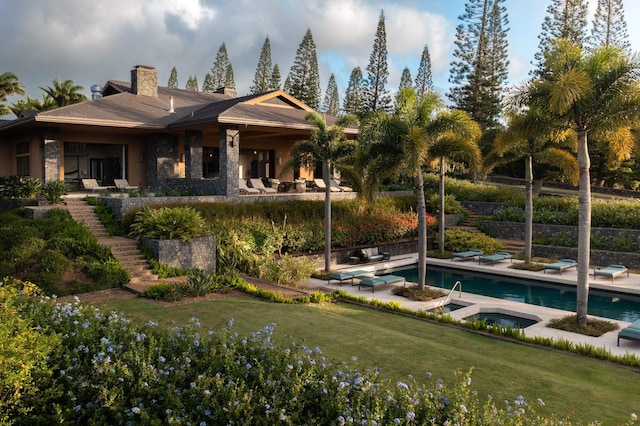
[227,91]
[144,81]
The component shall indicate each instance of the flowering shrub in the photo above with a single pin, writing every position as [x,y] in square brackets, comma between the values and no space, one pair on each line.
[104,369]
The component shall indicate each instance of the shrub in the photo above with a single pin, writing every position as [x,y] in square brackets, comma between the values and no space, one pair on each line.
[170,292]
[459,240]
[288,270]
[108,219]
[54,190]
[166,223]
[108,274]
[200,283]
[51,267]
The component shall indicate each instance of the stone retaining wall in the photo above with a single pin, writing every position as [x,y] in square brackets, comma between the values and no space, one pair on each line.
[597,257]
[515,230]
[197,253]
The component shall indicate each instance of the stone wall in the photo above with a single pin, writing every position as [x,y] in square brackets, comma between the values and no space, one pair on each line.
[482,207]
[596,257]
[515,230]
[197,253]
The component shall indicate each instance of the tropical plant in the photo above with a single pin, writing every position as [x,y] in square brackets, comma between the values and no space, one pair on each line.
[65,93]
[54,190]
[9,86]
[328,145]
[167,223]
[591,92]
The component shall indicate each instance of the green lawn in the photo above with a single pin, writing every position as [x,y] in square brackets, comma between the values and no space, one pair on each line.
[581,388]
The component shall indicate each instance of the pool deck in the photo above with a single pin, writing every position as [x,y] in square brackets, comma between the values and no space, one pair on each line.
[477,304]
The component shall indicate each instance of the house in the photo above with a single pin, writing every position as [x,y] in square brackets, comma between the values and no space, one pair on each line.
[157,137]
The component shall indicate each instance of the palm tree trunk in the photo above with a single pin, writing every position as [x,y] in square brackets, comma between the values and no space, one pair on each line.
[528,208]
[327,216]
[422,231]
[584,228]
[441,213]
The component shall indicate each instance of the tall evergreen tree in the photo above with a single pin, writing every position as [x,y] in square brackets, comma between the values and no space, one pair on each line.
[304,75]
[424,80]
[377,95]
[565,19]
[192,83]
[405,81]
[173,79]
[229,80]
[262,78]
[287,84]
[479,71]
[220,68]
[354,97]
[609,26]
[274,84]
[208,85]
[331,103]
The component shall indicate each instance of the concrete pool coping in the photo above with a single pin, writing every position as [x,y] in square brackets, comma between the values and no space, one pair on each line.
[479,304]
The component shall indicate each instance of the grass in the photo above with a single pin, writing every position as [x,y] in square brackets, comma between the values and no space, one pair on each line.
[583,389]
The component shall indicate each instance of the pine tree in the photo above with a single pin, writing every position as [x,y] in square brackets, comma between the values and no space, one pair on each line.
[424,80]
[220,69]
[304,75]
[354,97]
[377,96]
[287,85]
[229,80]
[192,83]
[173,79]
[208,85]
[609,26]
[565,19]
[262,78]
[405,81]
[479,71]
[331,103]
[274,84]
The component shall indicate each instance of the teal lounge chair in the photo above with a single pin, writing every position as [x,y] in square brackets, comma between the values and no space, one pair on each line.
[378,280]
[610,271]
[469,254]
[493,258]
[632,332]
[560,265]
[348,275]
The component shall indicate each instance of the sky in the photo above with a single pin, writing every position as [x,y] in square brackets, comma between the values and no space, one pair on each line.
[93,41]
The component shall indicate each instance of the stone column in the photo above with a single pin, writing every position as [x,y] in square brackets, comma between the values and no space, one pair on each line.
[162,159]
[51,155]
[229,140]
[193,154]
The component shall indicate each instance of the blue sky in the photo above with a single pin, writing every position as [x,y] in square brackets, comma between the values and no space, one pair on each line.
[91,42]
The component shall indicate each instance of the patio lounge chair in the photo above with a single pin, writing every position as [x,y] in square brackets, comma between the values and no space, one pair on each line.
[631,332]
[610,271]
[92,185]
[560,265]
[123,185]
[469,254]
[336,184]
[378,280]
[257,184]
[349,275]
[493,258]
[322,187]
[245,190]
[372,254]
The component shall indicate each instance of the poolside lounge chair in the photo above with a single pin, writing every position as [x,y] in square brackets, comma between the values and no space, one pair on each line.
[560,265]
[92,185]
[631,332]
[493,258]
[349,275]
[336,184]
[123,185]
[378,280]
[466,255]
[257,184]
[322,187]
[245,190]
[610,271]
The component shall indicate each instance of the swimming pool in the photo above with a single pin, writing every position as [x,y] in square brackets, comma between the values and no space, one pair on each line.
[602,303]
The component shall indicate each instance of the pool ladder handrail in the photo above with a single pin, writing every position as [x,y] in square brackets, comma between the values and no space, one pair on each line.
[457,284]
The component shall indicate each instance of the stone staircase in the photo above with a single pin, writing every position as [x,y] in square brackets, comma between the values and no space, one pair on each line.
[471,225]
[125,250]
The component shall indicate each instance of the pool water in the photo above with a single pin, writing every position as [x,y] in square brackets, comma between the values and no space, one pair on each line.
[618,306]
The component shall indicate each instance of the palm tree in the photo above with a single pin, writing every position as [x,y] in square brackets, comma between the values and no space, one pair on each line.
[65,93]
[9,86]
[455,136]
[328,145]
[591,92]
[531,136]
[398,143]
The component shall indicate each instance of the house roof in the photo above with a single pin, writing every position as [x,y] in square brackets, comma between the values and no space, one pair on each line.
[120,108]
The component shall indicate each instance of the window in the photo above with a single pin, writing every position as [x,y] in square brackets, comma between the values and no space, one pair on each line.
[23,159]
